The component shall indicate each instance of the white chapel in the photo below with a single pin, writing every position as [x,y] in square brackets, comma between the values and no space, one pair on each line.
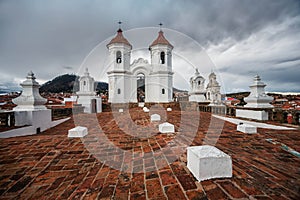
[140,80]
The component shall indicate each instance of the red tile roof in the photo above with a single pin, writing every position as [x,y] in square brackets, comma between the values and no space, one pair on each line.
[161,40]
[52,166]
[119,39]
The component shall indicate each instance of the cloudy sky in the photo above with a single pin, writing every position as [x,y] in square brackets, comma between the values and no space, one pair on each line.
[241,38]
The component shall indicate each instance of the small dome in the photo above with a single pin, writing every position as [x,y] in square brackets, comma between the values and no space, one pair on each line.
[212,75]
[161,40]
[119,39]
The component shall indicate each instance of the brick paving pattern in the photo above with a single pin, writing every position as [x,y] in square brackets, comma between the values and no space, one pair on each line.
[52,166]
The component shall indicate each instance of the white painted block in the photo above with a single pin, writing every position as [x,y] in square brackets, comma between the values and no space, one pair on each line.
[207,162]
[169,109]
[166,128]
[77,132]
[145,109]
[141,104]
[252,114]
[121,110]
[246,128]
[155,117]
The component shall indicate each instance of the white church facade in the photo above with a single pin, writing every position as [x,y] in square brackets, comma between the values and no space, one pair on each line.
[140,81]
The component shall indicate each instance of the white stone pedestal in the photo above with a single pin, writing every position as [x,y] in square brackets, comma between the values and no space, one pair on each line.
[197,97]
[40,119]
[155,117]
[77,132]
[207,162]
[166,128]
[91,104]
[246,128]
[252,114]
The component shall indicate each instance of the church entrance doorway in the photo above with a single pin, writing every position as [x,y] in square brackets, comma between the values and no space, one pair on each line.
[140,87]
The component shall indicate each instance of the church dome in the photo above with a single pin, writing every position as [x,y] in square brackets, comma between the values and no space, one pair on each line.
[161,40]
[119,39]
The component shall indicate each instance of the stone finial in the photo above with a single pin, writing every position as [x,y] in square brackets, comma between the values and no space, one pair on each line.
[30,99]
[258,98]
[86,73]
[197,72]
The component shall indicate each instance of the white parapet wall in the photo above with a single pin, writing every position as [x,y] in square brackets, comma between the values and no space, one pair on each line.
[252,114]
[207,162]
[89,105]
[38,118]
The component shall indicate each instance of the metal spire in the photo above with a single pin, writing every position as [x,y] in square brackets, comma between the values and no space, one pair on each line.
[160,25]
[119,22]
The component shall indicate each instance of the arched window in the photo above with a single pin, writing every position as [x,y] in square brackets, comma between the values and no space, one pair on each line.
[119,91]
[84,83]
[199,82]
[162,57]
[163,91]
[118,57]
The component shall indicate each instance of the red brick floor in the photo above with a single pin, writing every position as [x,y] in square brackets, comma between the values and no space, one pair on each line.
[127,158]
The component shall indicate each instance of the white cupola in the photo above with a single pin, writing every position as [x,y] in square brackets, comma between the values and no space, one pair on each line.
[197,91]
[86,84]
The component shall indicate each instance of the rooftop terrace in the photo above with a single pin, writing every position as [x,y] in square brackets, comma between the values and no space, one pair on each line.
[121,161]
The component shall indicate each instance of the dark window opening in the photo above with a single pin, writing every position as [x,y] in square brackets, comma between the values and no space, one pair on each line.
[163,91]
[199,82]
[162,58]
[119,57]
[84,83]
[119,91]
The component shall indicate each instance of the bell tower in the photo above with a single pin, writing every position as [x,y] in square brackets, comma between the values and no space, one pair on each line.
[161,79]
[119,63]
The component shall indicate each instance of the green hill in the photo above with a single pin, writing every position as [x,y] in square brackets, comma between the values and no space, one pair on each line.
[68,83]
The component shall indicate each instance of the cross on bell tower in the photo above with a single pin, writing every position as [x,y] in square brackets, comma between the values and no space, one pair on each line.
[119,22]
[160,26]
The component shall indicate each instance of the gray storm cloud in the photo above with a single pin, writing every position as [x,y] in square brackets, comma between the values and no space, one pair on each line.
[242,37]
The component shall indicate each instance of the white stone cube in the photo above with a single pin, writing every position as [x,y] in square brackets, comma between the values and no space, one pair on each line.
[145,109]
[169,109]
[141,104]
[166,128]
[246,128]
[155,117]
[121,110]
[252,114]
[77,132]
[207,162]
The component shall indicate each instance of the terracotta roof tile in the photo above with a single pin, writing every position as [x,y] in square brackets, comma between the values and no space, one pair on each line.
[161,40]
[52,166]
[119,39]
